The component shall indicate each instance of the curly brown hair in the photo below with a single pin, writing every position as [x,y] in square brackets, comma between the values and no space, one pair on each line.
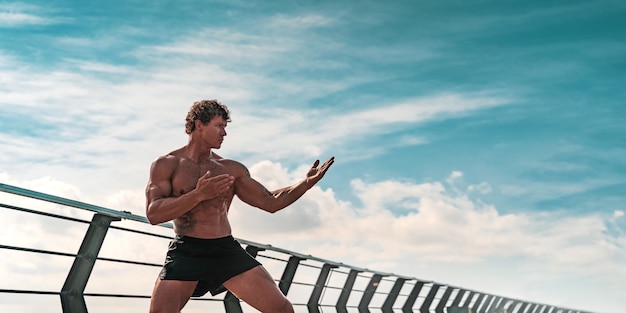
[205,111]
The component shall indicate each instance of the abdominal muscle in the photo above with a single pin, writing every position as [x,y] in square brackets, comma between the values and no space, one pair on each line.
[208,220]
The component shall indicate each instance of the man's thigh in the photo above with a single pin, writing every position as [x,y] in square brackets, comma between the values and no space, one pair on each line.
[171,295]
[257,288]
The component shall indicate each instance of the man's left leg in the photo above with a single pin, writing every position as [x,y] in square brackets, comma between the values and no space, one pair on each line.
[257,288]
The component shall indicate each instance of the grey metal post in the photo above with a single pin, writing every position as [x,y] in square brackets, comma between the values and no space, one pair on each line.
[72,298]
[289,274]
[479,300]
[393,295]
[501,305]
[485,306]
[429,298]
[458,297]
[494,304]
[313,304]
[511,308]
[410,301]
[342,302]
[368,294]
[522,307]
[444,300]
[469,299]
[231,302]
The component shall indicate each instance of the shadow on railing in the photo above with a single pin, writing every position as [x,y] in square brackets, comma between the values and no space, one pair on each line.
[313,285]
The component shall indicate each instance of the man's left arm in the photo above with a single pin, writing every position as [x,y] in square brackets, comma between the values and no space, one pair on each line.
[253,193]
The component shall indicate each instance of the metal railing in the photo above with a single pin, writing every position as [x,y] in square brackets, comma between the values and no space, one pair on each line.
[313,284]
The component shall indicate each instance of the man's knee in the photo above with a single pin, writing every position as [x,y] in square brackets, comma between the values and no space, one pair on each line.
[287,307]
[279,307]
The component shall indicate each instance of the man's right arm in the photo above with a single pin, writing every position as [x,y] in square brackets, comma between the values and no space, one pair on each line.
[161,203]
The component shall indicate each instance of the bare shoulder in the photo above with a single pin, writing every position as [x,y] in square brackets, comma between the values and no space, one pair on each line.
[166,163]
[234,168]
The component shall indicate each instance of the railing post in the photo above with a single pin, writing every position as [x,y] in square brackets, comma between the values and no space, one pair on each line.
[469,299]
[72,298]
[486,304]
[494,304]
[444,300]
[231,303]
[477,303]
[425,308]
[393,295]
[316,294]
[368,294]
[458,298]
[410,300]
[523,307]
[511,307]
[342,302]
[499,308]
[288,274]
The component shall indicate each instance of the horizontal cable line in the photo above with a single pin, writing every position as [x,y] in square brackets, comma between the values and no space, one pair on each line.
[16,208]
[75,255]
[30,292]
[141,232]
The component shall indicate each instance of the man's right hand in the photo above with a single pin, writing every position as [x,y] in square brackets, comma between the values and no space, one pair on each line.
[212,187]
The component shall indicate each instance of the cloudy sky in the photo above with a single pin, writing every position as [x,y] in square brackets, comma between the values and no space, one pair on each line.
[477,143]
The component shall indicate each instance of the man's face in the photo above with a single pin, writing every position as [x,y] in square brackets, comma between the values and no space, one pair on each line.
[213,132]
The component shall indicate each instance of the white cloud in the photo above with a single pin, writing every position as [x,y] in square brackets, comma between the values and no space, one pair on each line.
[90,118]
[14,19]
[439,228]
[101,67]
[20,14]
[111,127]
[106,132]
[482,188]
[437,225]
[128,200]
[454,176]
[302,21]
[420,109]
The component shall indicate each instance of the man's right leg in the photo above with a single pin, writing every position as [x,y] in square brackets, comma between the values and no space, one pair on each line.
[257,288]
[170,296]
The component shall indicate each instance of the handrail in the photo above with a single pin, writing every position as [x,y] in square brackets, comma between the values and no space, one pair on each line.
[129,216]
[104,216]
[74,203]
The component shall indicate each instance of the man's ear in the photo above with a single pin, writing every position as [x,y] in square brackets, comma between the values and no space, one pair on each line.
[199,124]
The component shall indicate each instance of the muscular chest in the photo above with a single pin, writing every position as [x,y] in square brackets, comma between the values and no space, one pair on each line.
[186,175]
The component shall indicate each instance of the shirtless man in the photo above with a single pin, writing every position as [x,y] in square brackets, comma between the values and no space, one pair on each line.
[194,187]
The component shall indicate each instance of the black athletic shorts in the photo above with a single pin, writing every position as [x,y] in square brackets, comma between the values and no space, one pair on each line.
[211,262]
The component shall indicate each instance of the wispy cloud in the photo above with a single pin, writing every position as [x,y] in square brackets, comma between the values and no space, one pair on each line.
[13,15]
[351,130]
[96,105]
[440,225]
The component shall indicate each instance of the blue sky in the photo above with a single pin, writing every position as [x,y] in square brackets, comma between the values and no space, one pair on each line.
[501,122]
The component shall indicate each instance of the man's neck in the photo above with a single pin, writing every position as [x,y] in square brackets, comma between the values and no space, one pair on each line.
[197,151]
